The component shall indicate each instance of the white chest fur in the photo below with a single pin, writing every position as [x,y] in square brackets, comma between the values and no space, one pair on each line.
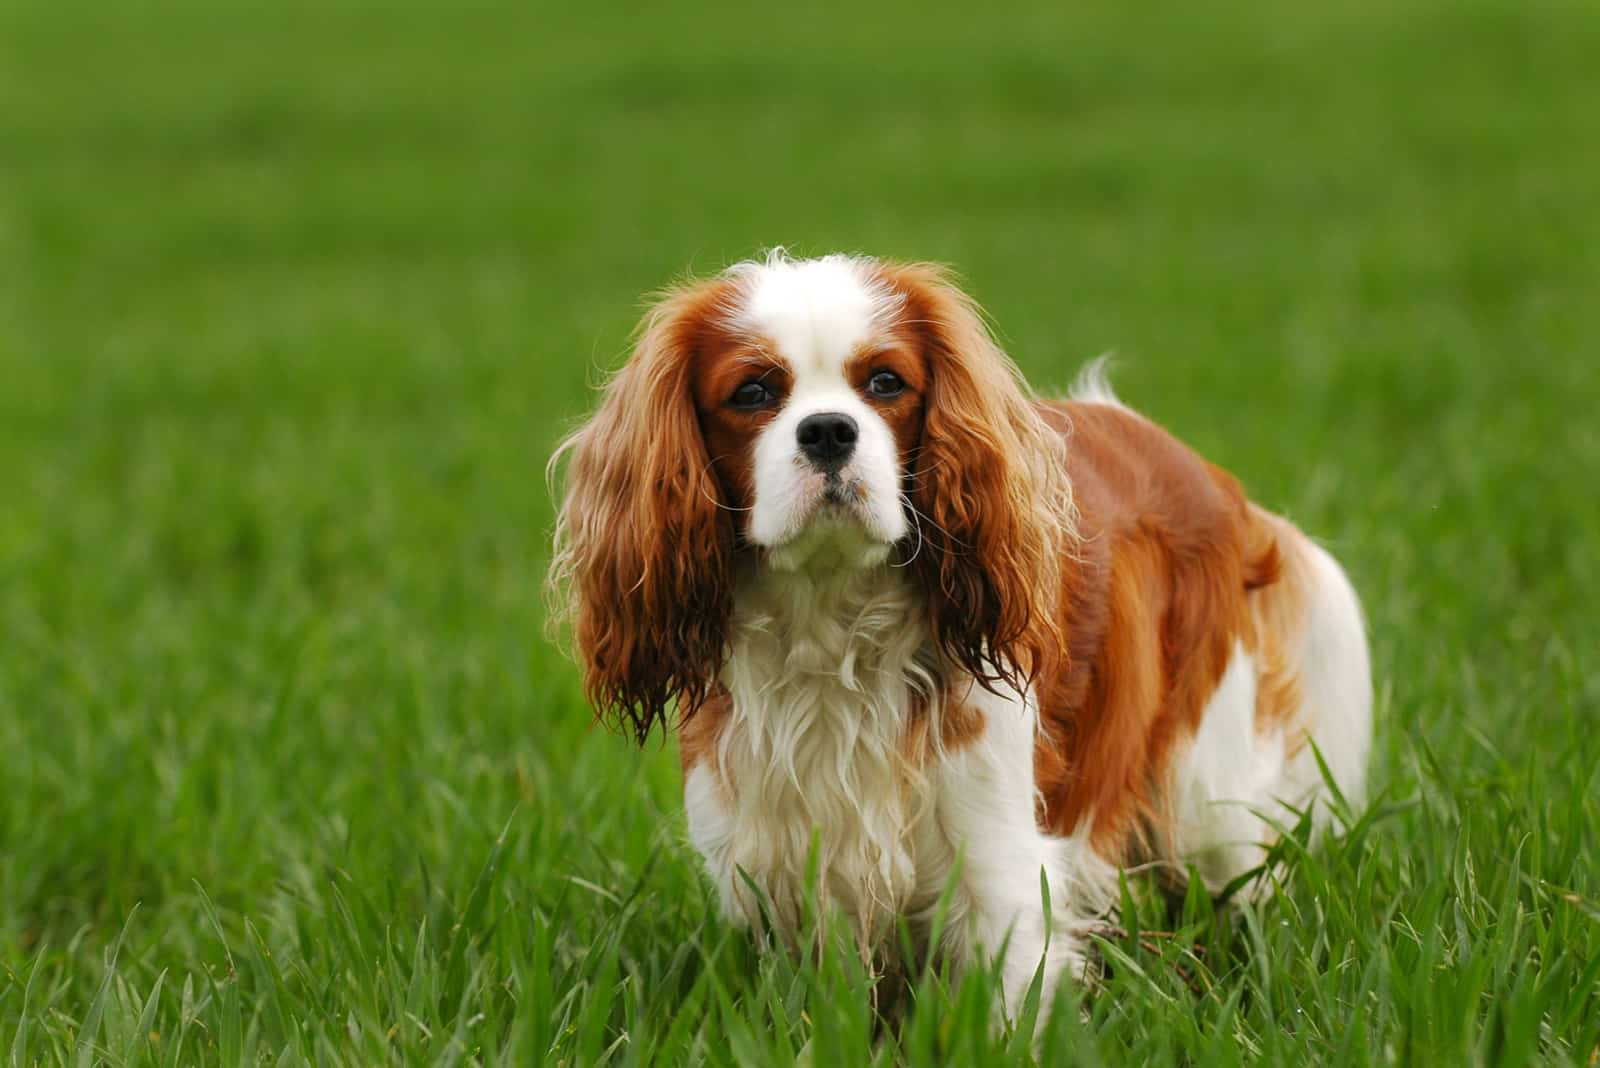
[824,670]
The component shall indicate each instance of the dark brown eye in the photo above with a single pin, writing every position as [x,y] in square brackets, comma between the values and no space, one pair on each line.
[752,395]
[885,384]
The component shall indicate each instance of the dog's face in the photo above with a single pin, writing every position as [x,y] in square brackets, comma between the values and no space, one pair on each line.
[810,401]
[840,413]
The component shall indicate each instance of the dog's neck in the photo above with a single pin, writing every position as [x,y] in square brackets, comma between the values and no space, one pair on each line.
[830,626]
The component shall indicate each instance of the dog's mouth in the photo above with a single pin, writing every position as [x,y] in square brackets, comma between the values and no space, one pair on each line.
[841,502]
[837,528]
[838,492]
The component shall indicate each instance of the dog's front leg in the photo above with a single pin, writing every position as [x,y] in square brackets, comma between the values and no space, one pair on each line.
[986,824]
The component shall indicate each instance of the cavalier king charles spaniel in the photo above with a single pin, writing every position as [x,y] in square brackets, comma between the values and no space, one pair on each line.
[920,632]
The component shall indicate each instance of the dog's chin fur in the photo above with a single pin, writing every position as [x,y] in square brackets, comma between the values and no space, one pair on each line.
[834,539]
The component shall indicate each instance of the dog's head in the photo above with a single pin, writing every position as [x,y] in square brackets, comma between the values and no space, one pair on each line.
[839,413]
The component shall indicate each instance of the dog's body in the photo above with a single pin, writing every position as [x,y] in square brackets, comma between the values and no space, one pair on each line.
[935,630]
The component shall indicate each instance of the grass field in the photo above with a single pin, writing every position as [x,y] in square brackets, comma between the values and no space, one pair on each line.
[295,299]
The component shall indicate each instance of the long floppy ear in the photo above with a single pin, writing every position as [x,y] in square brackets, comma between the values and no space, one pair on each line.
[991,485]
[642,570]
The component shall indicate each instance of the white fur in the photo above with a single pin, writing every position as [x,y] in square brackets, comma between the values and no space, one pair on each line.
[985,811]
[1225,777]
[1335,676]
[821,668]
[1093,384]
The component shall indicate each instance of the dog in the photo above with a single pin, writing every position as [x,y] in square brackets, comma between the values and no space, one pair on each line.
[922,634]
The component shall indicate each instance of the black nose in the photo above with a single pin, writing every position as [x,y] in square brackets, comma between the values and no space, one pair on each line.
[827,439]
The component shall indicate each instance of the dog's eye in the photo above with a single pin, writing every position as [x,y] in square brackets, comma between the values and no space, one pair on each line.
[886,384]
[752,395]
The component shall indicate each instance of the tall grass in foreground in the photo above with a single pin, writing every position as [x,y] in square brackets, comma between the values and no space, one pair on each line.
[1372,953]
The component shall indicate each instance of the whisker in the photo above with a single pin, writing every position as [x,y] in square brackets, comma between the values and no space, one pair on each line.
[725,507]
[920,517]
[916,525]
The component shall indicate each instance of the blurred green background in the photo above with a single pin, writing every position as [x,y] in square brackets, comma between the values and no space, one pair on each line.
[296,298]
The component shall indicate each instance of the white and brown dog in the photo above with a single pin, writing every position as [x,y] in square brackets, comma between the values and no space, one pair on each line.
[941,628]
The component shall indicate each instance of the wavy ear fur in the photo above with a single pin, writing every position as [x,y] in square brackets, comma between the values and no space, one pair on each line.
[642,570]
[990,482]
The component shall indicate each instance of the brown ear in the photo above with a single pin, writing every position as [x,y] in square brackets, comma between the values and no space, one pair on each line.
[643,548]
[990,483]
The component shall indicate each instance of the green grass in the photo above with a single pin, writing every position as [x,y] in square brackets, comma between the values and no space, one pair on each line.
[295,299]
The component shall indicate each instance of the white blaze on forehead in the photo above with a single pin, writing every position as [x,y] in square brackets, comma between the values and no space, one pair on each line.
[816,312]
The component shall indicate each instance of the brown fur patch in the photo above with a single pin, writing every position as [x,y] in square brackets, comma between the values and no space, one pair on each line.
[700,732]
[1156,604]
[1278,615]
[960,724]
[722,361]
